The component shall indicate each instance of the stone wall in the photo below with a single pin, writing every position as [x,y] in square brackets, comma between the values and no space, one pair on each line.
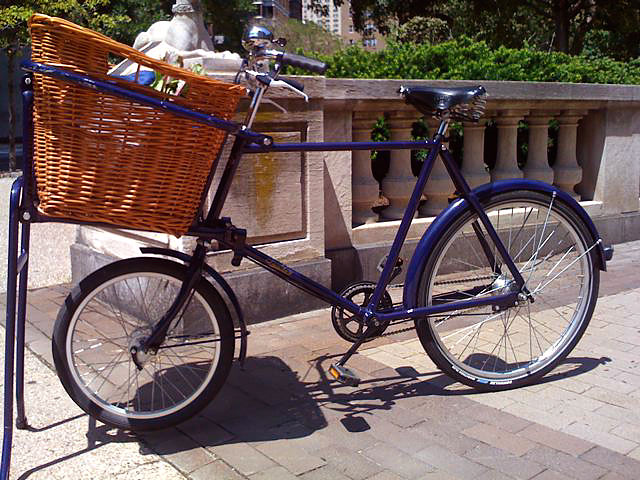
[314,209]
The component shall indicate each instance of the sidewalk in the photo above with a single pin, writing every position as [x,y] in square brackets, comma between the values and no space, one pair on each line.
[282,419]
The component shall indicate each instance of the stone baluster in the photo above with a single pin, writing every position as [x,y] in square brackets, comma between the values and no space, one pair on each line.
[474,169]
[439,186]
[567,172]
[365,188]
[537,166]
[507,158]
[399,181]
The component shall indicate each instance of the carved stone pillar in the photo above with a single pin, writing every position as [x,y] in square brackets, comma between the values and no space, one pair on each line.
[365,188]
[398,184]
[567,172]
[439,186]
[537,167]
[474,169]
[507,158]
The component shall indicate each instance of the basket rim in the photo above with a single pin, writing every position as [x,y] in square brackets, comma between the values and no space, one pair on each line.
[46,22]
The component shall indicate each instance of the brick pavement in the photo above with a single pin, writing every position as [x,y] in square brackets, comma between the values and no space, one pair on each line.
[281,418]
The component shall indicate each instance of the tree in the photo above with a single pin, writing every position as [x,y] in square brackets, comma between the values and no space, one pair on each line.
[229,18]
[14,35]
[570,26]
[308,37]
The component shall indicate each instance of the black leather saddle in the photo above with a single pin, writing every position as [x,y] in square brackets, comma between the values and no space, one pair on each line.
[459,103]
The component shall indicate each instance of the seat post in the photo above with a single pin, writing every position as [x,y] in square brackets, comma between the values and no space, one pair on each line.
[444,124]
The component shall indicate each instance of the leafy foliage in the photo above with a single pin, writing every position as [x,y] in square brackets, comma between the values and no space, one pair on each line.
[464,59]
[308,36]
[561,25]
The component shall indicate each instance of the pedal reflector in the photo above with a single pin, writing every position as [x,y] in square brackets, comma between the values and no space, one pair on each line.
[344,375]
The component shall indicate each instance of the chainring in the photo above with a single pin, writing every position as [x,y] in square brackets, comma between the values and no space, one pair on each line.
[350,326]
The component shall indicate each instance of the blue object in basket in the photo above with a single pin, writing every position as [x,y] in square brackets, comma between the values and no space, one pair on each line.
[145,77]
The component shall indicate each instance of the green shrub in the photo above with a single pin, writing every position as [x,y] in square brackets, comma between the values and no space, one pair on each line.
[464,59]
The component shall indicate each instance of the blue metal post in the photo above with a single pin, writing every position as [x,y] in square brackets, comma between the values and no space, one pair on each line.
[9,350]
[25,235]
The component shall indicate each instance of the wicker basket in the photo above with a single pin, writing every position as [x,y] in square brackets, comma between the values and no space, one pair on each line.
[102,158]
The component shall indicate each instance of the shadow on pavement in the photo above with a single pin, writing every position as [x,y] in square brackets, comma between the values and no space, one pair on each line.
[269,401]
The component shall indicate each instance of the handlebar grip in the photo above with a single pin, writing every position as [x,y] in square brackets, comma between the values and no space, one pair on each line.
[293,83]
[300,61]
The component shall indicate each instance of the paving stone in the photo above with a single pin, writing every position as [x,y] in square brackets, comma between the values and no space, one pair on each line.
[504,462]
[444,459]
[402,438]
[243,457]
[551,475]
[177,448]
[613,442]
[555,439]
[294,459]
[402,417]
[397,461]
[493,416]
[205,432]
[324,473]
[500,439]
[612,397]
[625,466]
[570,399]
[635,454]
[565,464]
[536,415]
[274,473]
[491,474]
[353,441]
[441,434]
[216,470]
[351,464]
[186,461]
[386,475]
[613,476]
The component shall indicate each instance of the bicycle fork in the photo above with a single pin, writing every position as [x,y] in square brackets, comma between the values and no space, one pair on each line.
[187,289]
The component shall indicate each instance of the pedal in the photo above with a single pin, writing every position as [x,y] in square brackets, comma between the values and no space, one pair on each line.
[344,375]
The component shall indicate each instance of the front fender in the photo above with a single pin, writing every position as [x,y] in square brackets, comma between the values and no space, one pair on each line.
[458,207]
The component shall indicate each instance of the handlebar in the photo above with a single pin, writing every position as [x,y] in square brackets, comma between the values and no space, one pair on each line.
[309,64]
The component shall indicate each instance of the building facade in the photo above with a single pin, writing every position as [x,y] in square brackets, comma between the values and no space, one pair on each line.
[279,9]
[339,22]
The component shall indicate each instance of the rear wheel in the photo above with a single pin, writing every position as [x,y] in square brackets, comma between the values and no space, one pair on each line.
[555,254]
[104,321]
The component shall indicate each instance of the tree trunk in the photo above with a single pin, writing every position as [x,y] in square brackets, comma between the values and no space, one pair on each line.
[11,54]
[561,20]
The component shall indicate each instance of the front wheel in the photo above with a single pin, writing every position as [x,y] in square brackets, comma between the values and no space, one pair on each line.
[556,256]
[104,321]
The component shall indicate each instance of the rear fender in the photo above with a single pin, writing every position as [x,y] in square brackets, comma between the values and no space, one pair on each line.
[457,208]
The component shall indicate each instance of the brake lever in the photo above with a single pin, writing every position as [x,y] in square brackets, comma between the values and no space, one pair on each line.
[280,83]
[275,104]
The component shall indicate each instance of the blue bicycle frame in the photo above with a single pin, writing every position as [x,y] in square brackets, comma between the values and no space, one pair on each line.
[212,228]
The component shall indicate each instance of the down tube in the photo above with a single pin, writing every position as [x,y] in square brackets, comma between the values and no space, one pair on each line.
[299,280]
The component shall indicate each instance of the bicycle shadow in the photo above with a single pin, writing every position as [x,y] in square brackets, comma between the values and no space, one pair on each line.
[273,401]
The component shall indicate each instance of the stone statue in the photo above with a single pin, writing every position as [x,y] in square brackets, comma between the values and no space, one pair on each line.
[183,40]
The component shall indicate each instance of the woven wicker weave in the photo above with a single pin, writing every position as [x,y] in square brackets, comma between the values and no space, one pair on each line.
[102,158]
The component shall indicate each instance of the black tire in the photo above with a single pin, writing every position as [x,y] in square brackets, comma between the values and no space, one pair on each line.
[474,346]
[108,312]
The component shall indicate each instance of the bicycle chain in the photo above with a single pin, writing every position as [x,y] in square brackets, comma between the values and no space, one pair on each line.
[464,280]
[444,282]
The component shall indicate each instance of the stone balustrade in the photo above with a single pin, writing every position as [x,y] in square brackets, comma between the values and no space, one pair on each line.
[317,209]
[593,129]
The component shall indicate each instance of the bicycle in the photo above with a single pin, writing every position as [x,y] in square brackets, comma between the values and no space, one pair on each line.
[500,288]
